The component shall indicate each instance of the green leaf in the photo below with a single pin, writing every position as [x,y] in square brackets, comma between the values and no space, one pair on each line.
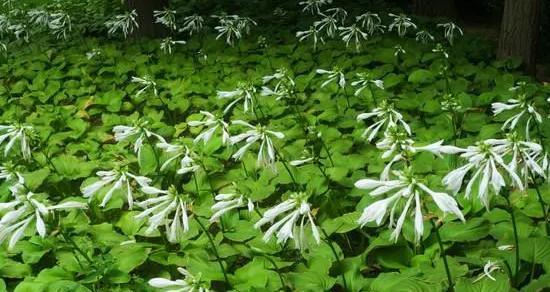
[473,229]
[71,167]
[386,282]
[342,224]
[129,256]
[502,284]
[421,76]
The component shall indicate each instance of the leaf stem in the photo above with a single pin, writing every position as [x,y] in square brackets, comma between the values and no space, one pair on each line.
[329,243]
[443,255]
[218,259]
[516,239]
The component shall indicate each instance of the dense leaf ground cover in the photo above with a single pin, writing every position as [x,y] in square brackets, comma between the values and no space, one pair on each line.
[74,102]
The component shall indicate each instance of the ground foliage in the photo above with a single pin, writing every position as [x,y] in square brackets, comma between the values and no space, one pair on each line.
[74,102]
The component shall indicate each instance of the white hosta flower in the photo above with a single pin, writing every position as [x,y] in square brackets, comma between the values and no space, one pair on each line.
[227,202]
[115,180]
[167,44]
[396,142]
[60,24]
[166,17]
[27,209]
[17,133]
[189,283]
[486,162]
[233,27]
[506,247]
[267,153]
[424,37]
[328,24]
[9,174]
[488,268]
[39,17]
[211,124]
[3,48]
[167,207]
[281,77]
[313,33]
[125,23]
[354,33]
[364,81]
[146,82]
[386,118]
[400,146]
[302,161]
[314,6]
[451,31]
[338,13]
[93,53]
[296,215]
[334,75]
[524,156]
[525,109]
[406,188]
[187,162]
[439,49]
[20,31]
[370,21]
[401,23]
[244,92]
[398,51]
[136,134]
[192,24]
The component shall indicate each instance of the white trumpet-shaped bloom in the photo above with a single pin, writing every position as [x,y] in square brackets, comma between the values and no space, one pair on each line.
[404,192]
[525,109]
[244,92]
[26,210]
[16,134]
[523,157]
[386,118]
[451,30]
[136,134]
[314,6]
[353,32]
[334,75]
[146,83]
[166,17]
[192,24]
[211,124]
[125,23]
[167,45]
[189,283]
[227,202]
[115,180]
[295,214]
[401,23]
[313,33]
[488,269]
[10,175]
[187,160]
[424,37]
[365,81]
[167,207]
[486,162]
[266,153]
[371,22]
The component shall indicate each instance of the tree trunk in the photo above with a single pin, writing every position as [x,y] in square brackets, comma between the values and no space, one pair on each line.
[519,31]
[431,8]
[146,20]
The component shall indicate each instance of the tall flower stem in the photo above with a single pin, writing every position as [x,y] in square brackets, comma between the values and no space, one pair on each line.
[324,145]
[214,249]
[516,238]
[542,206]
[373,95]
[329,243]
[348,104]
[283,161]
[443,256]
